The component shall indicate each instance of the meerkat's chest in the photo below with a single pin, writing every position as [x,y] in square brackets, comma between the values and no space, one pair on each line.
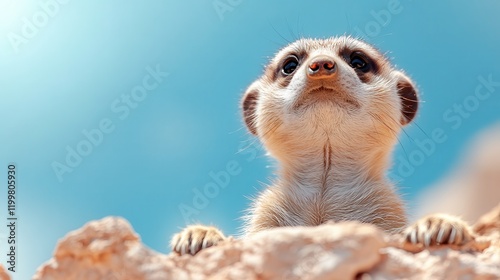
[279,206]
[319,207]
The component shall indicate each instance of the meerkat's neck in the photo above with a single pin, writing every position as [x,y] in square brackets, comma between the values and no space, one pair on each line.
[330,165]
[324,183]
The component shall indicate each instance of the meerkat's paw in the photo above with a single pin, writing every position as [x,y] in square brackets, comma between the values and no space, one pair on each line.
[439,229]
[192,239]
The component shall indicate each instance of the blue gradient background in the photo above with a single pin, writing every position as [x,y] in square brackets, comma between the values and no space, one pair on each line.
[64,79]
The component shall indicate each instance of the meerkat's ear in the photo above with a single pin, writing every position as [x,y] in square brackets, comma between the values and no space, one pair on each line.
[409,97]
[249,107]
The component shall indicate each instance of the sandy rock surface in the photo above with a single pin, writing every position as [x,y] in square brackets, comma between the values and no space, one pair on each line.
[472,188]
[110,249]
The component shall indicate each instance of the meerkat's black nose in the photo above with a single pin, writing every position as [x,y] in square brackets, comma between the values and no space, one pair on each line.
[321,67]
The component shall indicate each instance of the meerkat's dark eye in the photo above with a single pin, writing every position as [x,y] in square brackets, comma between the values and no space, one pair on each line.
[291,63]
[359,61]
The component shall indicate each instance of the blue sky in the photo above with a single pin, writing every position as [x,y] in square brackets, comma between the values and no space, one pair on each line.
[162,80]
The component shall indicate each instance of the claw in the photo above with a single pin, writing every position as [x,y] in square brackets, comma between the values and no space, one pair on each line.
[439,238]
[184,249]
[452,235]
[194,247]
[178,246]
[413,236]
[427,239]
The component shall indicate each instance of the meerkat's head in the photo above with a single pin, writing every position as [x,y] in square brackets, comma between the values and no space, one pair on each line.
[339,89]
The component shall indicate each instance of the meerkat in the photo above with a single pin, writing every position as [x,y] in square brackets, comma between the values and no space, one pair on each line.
[330,111]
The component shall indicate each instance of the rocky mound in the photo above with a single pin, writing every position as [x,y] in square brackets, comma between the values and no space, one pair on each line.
[110,249]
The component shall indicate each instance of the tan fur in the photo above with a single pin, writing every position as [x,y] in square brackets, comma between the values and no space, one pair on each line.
[332,136]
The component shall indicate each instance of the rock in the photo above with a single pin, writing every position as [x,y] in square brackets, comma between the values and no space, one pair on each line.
[489,226]
[3,274]
[473,187]
[478,260]
[104,249]
[109,249]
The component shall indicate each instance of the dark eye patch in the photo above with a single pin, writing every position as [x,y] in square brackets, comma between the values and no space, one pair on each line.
[290,62]
[362,63]
[283,71]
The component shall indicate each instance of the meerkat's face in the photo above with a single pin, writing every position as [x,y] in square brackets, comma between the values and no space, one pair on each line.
[338,87]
